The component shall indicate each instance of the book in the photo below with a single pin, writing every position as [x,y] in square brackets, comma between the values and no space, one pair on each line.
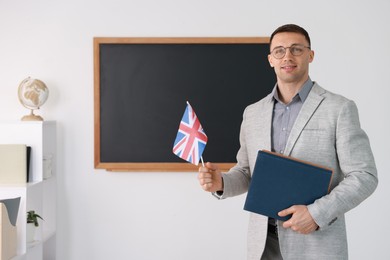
[279,182]
[28,166]
[13,163]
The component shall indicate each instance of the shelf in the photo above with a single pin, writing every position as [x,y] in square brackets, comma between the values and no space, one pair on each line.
[19,257]
[18,185]
[40,193]
[33,244]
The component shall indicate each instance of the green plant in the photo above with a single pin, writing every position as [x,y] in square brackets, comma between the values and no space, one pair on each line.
[32,217]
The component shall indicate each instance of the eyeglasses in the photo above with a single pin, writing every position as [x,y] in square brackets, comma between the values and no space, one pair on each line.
[295,50]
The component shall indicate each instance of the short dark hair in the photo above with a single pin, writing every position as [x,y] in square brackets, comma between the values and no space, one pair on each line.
[291,28]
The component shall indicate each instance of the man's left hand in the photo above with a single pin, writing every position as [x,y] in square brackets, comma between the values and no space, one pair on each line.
[301,220]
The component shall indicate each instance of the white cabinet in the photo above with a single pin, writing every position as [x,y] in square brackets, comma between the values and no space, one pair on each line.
[40,193]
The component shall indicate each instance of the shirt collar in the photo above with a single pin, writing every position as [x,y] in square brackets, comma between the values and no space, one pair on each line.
[303,92]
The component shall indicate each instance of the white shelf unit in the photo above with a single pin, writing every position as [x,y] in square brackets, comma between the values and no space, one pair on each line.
[39,193]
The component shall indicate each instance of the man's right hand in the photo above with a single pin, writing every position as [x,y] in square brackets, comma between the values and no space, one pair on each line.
[210,178]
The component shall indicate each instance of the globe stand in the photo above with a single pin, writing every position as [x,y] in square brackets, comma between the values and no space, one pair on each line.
[32,117]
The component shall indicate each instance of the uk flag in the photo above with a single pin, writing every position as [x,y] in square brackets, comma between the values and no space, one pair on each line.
[190,139]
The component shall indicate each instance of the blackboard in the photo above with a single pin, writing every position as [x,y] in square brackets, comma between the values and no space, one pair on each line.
[142,85]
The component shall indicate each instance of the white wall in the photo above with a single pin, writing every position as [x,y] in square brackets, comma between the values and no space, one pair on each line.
[105,215]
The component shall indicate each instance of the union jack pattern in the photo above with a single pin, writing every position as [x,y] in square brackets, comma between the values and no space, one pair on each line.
[190,139]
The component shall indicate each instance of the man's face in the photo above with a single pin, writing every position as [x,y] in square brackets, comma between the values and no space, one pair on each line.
[290,68]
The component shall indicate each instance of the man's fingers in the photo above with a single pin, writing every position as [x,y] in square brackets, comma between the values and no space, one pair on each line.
[210,177]
[288,224]
[205,178]
[211,166]
[203,169]
[287,212]
[301,221]
[207,186]
[202,175]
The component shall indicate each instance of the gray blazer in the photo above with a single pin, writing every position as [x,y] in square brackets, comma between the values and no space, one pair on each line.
[326,132]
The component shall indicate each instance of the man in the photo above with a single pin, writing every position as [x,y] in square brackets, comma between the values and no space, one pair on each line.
[303,120]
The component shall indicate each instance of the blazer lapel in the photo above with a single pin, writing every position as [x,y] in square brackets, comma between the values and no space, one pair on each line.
[312,102]
[263,124]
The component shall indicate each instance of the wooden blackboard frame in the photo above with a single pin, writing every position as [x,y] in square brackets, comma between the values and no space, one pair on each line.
[152,166]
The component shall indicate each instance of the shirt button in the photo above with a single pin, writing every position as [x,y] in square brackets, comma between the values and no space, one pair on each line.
[284,129]
[281,151]
[287,108]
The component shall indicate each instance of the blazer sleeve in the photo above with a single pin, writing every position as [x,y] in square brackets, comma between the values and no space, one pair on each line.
[236,180]
[357,165]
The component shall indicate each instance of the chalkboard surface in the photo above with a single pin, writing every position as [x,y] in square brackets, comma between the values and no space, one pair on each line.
[141,89]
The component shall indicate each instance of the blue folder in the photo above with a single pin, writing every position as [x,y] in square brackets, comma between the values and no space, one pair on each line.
[279,182]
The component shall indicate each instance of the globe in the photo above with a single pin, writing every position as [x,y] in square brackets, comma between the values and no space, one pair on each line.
[32,93]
